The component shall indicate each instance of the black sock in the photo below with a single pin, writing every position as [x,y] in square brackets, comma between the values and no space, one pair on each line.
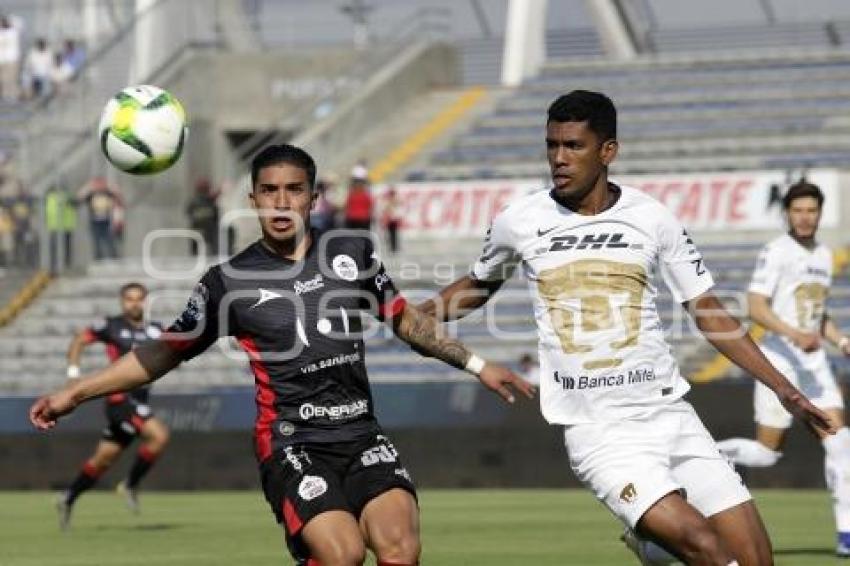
[145,459]
[85,480]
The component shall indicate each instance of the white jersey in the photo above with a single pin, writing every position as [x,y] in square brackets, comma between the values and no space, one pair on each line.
[797,280]
[603,356]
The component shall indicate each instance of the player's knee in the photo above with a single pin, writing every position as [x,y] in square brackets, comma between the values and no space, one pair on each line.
[399,546]
[343,552]
[157,436]
[349,556]
[103,461]
[703,546]
[162,436]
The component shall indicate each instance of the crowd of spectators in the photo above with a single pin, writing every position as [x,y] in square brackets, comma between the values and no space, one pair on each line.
[40,71]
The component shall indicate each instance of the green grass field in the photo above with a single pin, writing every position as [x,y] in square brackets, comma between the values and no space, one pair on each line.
[459,528]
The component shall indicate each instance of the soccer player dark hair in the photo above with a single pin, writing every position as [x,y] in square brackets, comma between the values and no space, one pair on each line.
[283,153]
[801,189]
[134,285]
[586,106]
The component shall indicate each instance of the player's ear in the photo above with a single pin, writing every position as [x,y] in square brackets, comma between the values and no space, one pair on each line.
[252,196]
[608,151]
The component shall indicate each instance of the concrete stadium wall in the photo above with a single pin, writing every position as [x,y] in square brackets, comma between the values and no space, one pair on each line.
[419,68]
[477,443]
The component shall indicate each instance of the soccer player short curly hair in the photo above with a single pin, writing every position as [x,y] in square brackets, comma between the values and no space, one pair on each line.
[586,106]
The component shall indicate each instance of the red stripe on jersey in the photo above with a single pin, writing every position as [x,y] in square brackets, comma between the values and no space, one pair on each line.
[116,398]
[265,400]
[112,352]
[392,308]
[173,341]
[291,518]
[89,336]
[313,562]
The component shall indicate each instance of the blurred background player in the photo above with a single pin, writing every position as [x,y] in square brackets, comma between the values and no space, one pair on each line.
[128,414]
[391,218]
[787,296]
[102,199]
[358,205]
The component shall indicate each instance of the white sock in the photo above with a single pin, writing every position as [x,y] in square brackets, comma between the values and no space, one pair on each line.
[837,468]
[747,452]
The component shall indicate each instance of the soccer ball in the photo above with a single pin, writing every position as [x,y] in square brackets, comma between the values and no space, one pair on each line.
[142,130]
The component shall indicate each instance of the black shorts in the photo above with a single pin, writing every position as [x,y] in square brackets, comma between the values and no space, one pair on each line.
[125,418]
[304,480]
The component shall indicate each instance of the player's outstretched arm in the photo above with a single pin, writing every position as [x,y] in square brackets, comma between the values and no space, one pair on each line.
[728,335]
[761,313]
[831,332]
[423,334]
[128,372]
[459,298]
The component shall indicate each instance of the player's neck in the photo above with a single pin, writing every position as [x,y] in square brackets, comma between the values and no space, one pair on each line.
[807,242]
[136,323]
[293,249]
[599,199]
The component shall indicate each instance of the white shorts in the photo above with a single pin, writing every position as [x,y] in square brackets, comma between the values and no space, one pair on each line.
[814,379]
[630,465]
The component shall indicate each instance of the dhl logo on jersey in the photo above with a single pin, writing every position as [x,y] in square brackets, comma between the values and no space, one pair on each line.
[588,242]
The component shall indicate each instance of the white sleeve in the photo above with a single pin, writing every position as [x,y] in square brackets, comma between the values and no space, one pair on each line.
[682,265]
[499,258]
[767,271]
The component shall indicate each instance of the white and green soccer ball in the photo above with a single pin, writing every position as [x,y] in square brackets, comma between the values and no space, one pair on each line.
[142,130]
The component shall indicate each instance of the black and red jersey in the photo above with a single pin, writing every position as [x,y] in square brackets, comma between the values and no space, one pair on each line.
[120,336]
[300,324]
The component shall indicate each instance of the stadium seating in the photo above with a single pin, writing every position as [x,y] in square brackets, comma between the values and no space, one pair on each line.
[800,35]
[677,113]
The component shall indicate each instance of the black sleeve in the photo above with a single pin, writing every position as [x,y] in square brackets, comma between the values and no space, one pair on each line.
[200,324]
[380,289]
[98,332]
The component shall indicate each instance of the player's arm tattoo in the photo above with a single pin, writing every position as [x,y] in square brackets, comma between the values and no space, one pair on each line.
[424,335]
[460,298]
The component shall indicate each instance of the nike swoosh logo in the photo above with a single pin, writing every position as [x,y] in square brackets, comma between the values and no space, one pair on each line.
[265,296]
[541,233]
